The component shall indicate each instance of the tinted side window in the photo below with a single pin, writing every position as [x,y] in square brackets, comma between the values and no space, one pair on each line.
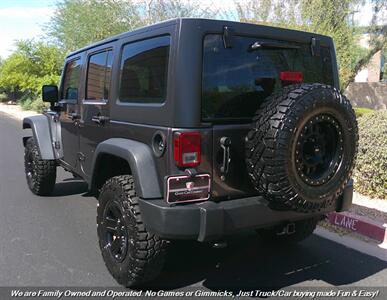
[144,70]
[98,76]
[108,73]
[71,80]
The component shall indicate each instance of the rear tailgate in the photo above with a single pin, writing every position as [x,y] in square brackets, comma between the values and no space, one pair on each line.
[235,81]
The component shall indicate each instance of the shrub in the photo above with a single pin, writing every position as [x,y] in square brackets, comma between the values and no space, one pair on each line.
[361,111]
[28,103]
[38,105]
[371,166]
[25,103]
[3,97]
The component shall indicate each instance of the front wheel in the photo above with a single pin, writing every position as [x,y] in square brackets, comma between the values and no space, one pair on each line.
[40,174]
[132,254]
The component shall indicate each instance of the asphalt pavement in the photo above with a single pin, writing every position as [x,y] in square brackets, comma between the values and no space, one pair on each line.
[52,241]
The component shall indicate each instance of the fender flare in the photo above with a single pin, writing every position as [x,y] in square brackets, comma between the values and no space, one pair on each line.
[141,162]
[42,135]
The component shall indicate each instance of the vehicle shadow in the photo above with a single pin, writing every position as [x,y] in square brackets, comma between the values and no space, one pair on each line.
[68,187]
[250,264]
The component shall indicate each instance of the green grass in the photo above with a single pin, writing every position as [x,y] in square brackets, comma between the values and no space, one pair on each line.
[361,111]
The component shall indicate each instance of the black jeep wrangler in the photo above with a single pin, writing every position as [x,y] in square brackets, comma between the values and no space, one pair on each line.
[197,129]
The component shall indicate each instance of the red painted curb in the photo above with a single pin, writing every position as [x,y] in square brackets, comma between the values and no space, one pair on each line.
[362,225]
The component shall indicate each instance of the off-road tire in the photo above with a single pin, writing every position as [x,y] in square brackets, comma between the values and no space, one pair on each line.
[271,146]
[145,253]
[40,174]
[303,230]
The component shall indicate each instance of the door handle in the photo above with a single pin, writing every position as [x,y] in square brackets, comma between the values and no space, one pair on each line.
[225,143]
[100,120]
[74,116]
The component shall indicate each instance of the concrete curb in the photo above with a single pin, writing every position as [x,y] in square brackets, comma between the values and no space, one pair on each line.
[361,225]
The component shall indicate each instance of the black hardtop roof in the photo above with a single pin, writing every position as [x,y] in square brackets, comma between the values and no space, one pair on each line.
[126,34]
[234,24]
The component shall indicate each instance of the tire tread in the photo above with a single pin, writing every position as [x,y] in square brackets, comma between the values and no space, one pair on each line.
[45,171]
[267,145]
[150,249]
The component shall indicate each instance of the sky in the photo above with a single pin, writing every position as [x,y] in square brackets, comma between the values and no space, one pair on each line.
[24,19]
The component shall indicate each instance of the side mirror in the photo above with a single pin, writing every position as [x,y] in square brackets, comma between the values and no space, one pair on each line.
[50,93]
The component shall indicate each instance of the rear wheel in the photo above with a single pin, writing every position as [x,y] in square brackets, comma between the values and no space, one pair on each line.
[292,233]
[301,151]
[40,174]
[132,254]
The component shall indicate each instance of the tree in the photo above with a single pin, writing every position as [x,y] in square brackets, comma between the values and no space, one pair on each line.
[268,12]
[30,66]
[377,32]
[334,18]
[161,10]
[77,23]
[384,69]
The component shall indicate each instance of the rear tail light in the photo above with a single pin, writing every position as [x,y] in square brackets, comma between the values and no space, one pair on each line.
[291,77]
[187,149]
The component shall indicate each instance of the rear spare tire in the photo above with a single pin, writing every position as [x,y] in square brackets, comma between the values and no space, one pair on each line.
[301,150]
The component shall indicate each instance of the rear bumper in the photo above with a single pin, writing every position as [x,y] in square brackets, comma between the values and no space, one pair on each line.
[211,220]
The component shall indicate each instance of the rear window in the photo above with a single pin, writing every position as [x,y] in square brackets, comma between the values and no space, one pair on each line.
[236,80]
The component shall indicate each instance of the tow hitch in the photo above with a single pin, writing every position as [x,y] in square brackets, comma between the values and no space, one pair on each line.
[288,229]
[219,245]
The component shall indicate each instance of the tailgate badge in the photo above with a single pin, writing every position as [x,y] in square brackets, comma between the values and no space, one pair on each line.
[190,185]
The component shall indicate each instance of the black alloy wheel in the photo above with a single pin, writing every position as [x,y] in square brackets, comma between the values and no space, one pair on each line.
[115,231]
[40,173]
[132,254]
[30,168]
[319,149]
